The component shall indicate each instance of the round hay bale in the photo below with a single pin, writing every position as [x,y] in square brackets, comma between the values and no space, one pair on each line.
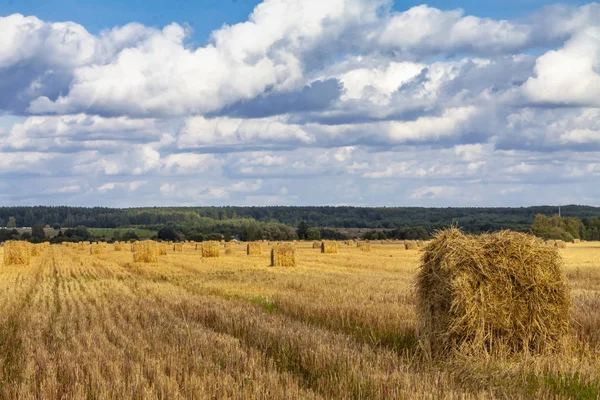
[178,247]
[118,246]
[210,249]
[560,244]
[576,241]
[411,245]
[146,251]
[500,293]
[329,247]
[316,245]
[16,252]
[253,249]
[363,246]
[96,248]
[284,255]
[162,249]
[228,251]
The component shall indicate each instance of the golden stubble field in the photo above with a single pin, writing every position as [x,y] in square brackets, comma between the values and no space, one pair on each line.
[75,325]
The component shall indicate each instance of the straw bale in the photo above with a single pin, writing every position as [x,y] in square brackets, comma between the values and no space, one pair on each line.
[162,249]
[253,249]
[178,247]
[118,246]
[576,241]
[560,244]
[228,251]
[501,294]
[284,255]
[329,247]
[411,245]
[316,245]
[96,248]
[17,253]
[146,251]
[363,246]
[210,249]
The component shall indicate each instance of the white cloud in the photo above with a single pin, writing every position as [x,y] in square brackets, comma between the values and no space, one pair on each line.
[433,192]
[570,75]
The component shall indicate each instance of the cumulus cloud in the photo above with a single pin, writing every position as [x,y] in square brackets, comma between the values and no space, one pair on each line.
[342,101]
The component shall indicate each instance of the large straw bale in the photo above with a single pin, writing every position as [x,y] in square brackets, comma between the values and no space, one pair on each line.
[329,246]
[316,245]
[253,249]
[17,253]
[210,249]
[284,255]
[501,293]
[576,241]
[178,247]
[146,251]
[96,248]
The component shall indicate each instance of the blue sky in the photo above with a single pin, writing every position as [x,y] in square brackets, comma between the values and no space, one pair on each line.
[361,102]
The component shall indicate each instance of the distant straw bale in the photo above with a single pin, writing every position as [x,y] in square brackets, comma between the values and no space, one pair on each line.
[411,245]
[316,245]
[363,246]
[146,251]
[501,293]
[228,251]
[96,248]
[284,255]
[576,241]
[253,249]
[560,244]
[162,249]
[17,253]
[118,246]
[178,247]
[210,249]
[329,247]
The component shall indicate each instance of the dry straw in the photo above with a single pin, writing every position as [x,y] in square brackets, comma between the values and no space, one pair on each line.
[363,246]
[284,255]
[210,249]
[35,249]
[162,249]
[178,247]
[329,247]
[316,245]
[560,244]
[253,249]
[494,294]
[17,253]
[146,251]
[96,248]
[411,245]
[576,241]
[118,246]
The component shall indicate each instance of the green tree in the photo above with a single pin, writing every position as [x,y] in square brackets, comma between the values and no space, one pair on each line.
[37,232]
[313,234]
[12,223]
[227,235]
[302,230]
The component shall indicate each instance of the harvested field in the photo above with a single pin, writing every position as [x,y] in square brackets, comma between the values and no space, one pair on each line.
[80,325]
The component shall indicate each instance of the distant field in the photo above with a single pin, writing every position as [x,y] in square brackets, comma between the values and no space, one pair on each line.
[109,232]
[75,325]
